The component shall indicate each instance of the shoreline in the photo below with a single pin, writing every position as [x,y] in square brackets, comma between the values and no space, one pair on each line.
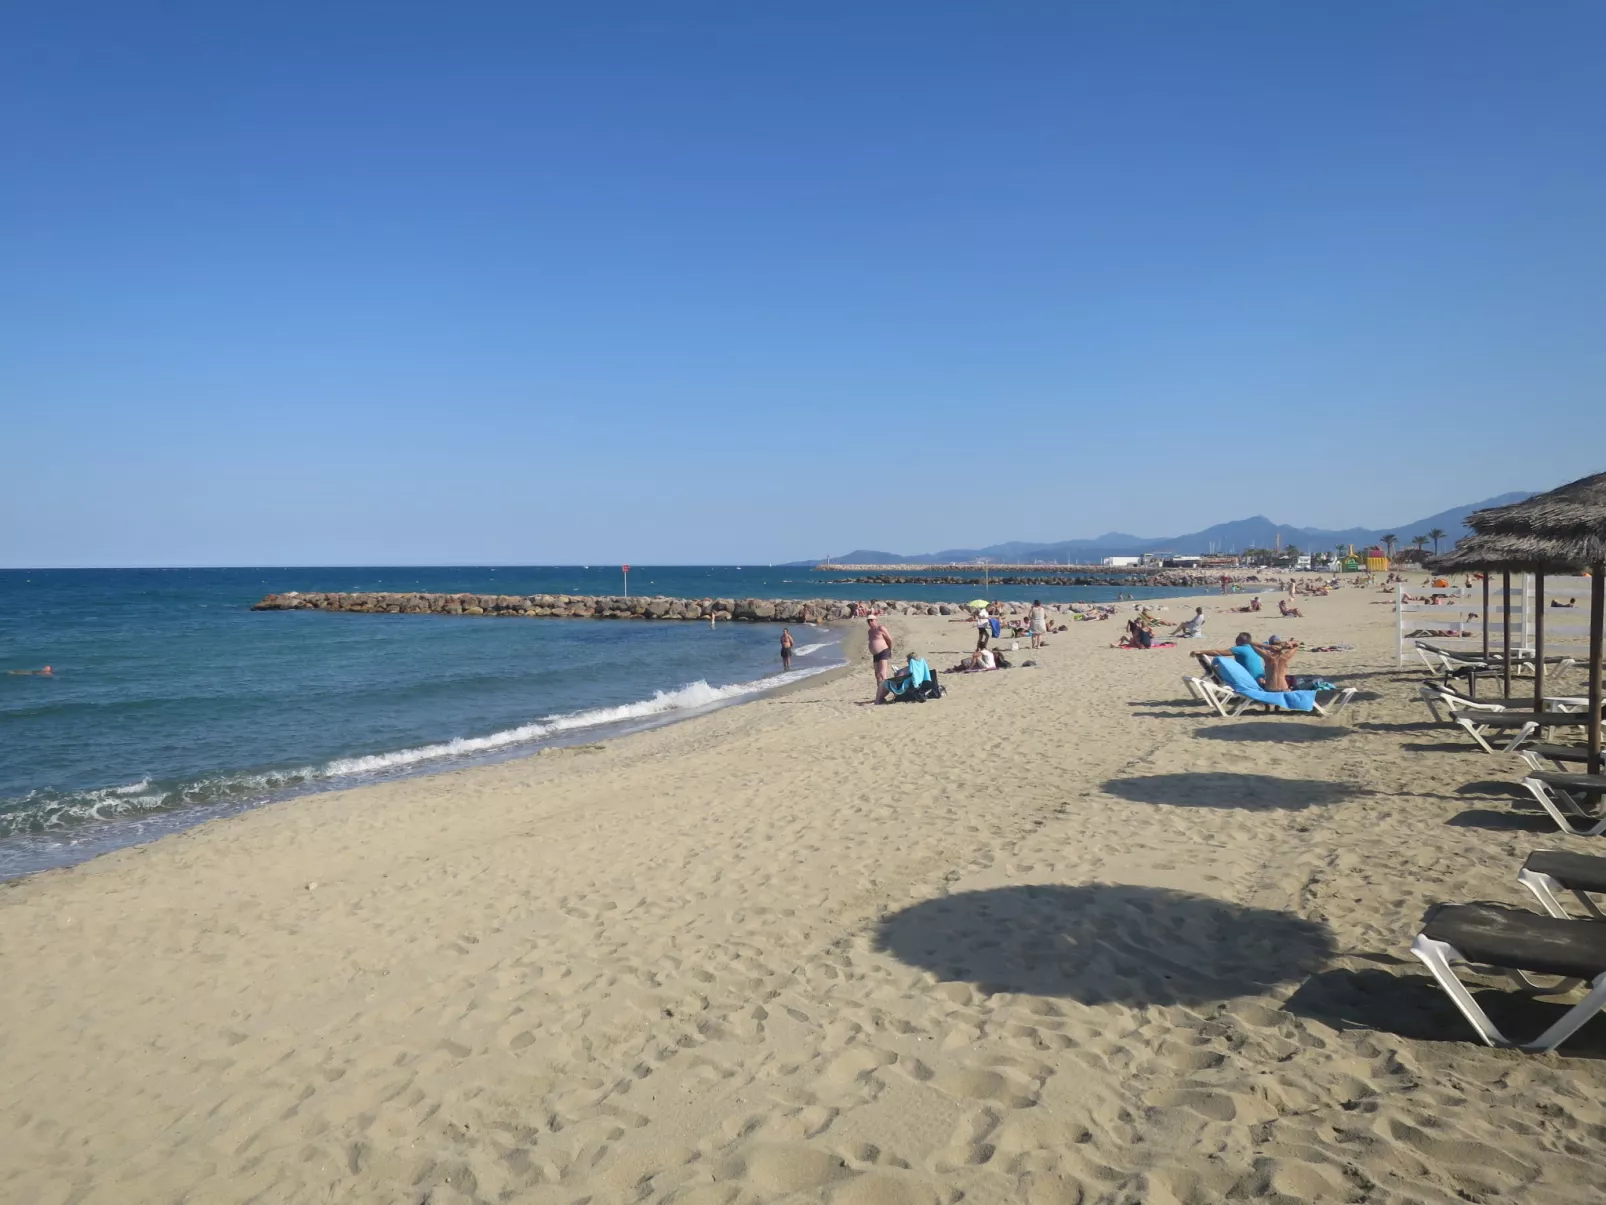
[1061,936]
[94,839]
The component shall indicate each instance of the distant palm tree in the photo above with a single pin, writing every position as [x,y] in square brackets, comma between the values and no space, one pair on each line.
[1420,542]
[1437,534]
[1389,542]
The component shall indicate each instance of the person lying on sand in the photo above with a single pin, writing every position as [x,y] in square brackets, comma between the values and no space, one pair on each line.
[981,659]
[1289,612]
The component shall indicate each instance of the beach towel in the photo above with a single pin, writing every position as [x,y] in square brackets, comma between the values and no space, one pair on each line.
[1237,677]
[919,675]
[1143,648]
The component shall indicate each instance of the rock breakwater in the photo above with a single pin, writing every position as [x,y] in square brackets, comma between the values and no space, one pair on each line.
[580,606]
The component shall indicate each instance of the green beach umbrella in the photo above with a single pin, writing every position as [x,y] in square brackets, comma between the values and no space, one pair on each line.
[977,602]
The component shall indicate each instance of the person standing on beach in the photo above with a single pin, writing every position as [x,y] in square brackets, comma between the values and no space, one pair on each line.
[1037,623]
[880,654]
[984,627]
[786,648]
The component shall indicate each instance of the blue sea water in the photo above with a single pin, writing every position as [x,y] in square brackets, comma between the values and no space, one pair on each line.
[173,702]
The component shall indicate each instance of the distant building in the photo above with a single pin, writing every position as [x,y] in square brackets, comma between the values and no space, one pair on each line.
[1122,562]
[1183,562]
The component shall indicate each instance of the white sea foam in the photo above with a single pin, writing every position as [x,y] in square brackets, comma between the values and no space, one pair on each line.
[42,812]
[691,697]
[803,650]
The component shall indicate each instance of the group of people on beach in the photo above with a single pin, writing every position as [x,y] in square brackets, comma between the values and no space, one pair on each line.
[1266,663]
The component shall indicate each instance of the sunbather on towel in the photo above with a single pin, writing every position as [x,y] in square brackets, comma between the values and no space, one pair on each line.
[1138,636]
[1289,612]
[981,659]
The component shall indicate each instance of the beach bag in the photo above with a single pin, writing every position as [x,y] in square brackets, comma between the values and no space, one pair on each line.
[997,625]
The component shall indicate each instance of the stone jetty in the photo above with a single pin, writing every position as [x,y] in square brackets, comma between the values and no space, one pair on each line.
[579,606]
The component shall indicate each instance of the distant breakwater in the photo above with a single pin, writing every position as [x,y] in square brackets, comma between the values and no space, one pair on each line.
[1009,579]
[580,606]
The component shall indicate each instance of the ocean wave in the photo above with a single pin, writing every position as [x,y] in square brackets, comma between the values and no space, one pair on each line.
[53,812]
[803,650]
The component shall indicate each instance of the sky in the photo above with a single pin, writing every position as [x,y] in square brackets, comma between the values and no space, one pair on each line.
[414,283]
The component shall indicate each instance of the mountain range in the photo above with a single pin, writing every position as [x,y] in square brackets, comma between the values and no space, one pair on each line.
[1255,532]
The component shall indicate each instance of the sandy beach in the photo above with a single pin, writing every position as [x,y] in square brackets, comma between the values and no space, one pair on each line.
[1061,936]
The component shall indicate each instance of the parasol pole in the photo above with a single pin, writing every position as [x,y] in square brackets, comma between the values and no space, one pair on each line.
[1539,640]
[1597,605]
[1486,615]
[1505,619]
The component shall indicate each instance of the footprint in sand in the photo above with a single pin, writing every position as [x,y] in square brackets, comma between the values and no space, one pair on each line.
[981,1084]
[773,1169]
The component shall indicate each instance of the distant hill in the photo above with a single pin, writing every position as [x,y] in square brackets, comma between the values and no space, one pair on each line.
[1255,532]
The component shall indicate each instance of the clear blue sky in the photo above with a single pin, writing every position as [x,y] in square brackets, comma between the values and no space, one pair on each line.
[521,282]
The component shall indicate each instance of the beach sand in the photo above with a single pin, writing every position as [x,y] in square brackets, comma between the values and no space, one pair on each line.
[1062,936]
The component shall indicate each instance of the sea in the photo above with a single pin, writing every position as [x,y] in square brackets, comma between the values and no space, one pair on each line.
[172,702]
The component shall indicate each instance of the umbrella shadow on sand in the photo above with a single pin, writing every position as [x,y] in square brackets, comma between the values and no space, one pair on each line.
[1105,943]
[1248,792]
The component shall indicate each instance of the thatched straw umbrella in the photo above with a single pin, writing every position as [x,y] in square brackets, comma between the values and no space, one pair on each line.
[1569,523]
[1507,554]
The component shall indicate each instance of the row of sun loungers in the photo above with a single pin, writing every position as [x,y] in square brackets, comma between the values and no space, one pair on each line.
[1559,951]
[1508,722]
[1550,954]
[1526,945]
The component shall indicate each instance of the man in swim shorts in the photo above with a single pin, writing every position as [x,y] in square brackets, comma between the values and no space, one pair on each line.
[880,654]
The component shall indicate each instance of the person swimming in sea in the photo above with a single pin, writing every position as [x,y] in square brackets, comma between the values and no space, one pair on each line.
[45,672]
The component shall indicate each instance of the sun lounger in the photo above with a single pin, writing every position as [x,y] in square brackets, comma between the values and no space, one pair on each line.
[1572,800]
[1236,690]
[1520,725]
[1521,944]
[1554,758]
[1548,872]
[1440,694]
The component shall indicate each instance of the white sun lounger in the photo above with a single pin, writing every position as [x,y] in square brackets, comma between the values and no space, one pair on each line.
[1554,759]
[1520,944]
[1227,702]
[1549,872]
[1520,725]
[1438,694]
[1566,798]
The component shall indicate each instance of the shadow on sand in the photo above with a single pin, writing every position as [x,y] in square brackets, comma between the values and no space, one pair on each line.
[1105,944]
[1249,792]
[1503,822]
[1279,731]
[1407,1003]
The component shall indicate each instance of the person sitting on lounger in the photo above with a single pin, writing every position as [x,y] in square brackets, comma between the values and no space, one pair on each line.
[1276,654]
[1289,612]
[1244,651]
[1191,627]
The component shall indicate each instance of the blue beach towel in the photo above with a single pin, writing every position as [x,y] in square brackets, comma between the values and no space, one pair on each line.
[1237,677]
[919,675]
